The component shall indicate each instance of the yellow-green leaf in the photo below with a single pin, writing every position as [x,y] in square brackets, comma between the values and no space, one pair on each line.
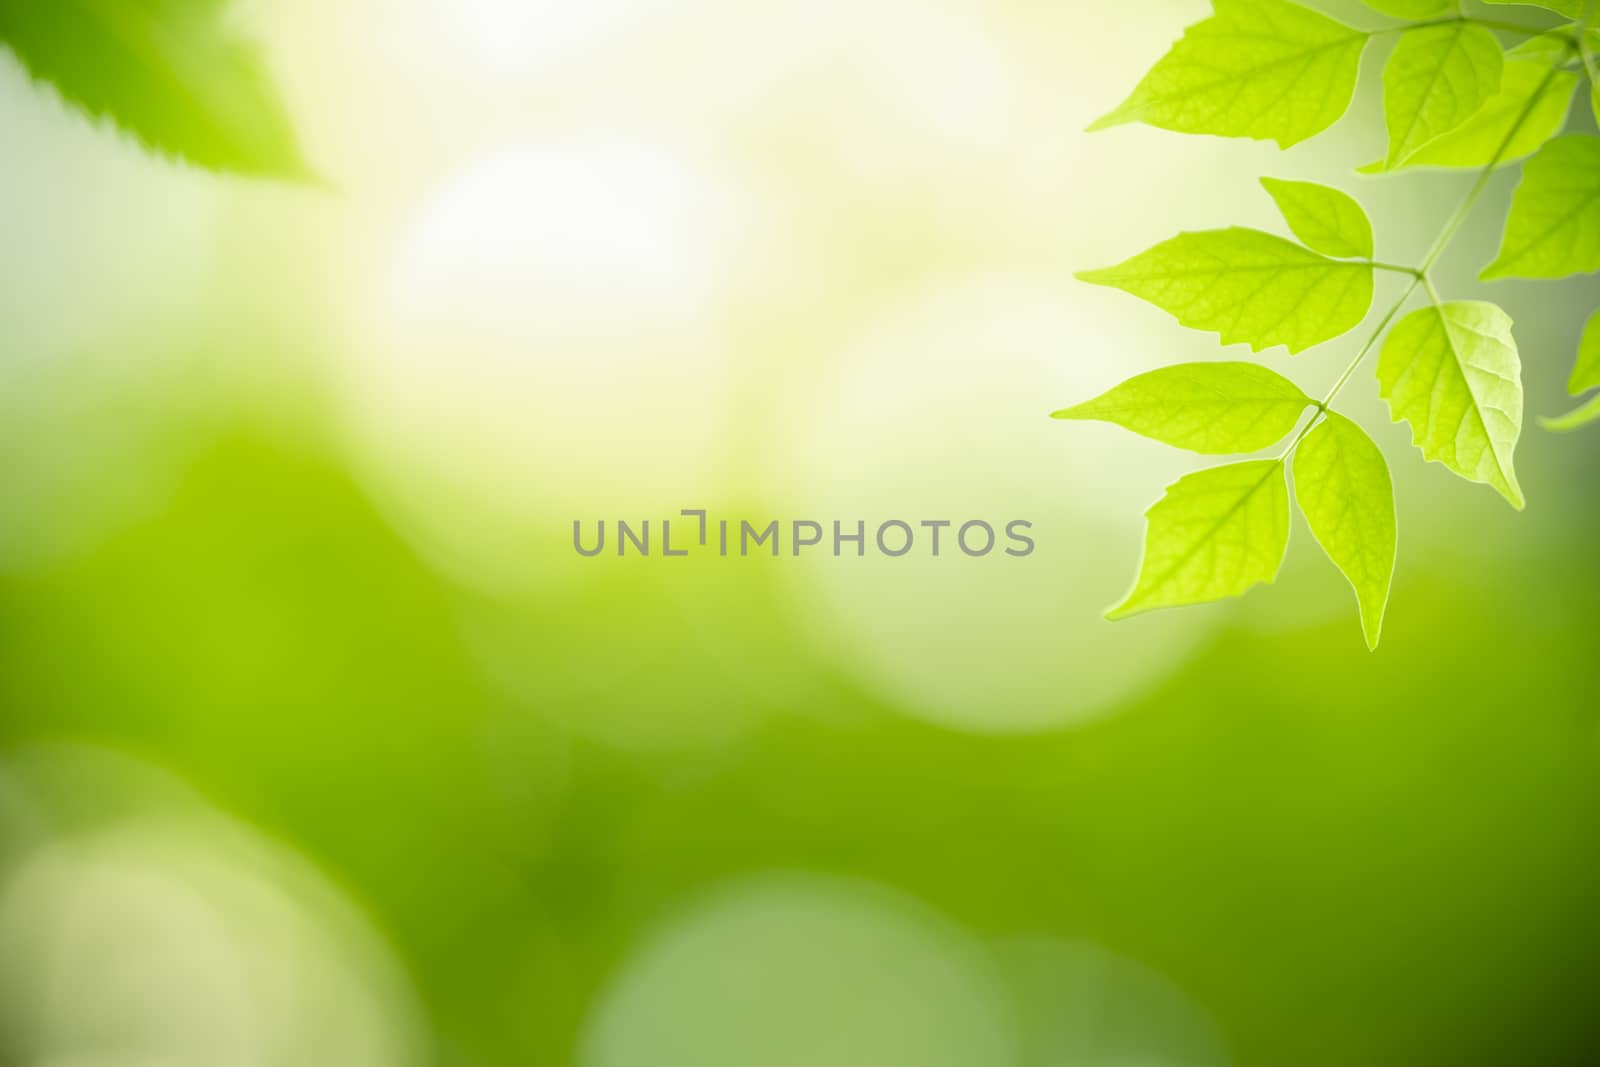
[1549,49]
[1250,287]
[1262,69]
[1215,534]
[1554,228]
[1342,483]
[1572,9]
[1327,220]
[1454,374]
[1211,408]
[1474,143]
[1413,9]
[1586,372]
[167,71]
[1587,414]
[1437,79]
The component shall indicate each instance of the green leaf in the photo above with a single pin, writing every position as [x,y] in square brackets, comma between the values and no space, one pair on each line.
[166,71]
[1327,220]
[1211,408]
[1474,143]
[1262,69]
[1413,9]
[1586,372]
[1342,483]
[1215,534]
[1250,287]
[1554,229]
[1437,79]
[1576,420]
[1453,372]
[1547,49]
[1572,9]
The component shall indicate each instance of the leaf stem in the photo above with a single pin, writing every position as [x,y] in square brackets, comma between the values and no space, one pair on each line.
[1420,276]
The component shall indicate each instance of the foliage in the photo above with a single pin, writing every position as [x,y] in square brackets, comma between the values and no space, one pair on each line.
[167,71]
[1454,96]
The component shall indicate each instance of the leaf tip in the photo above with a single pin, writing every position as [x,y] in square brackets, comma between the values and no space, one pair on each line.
[1127,607]
[1373,632]
[1110,120]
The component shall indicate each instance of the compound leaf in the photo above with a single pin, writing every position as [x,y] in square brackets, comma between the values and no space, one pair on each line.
[1453,373]
[1554,228]
[167,71]
[1342,483]
[1248,286]
[1262,69]
[1475,142]
[1215,534]
[1586,372]
[1437,79]
[1327,220]
[1211,408]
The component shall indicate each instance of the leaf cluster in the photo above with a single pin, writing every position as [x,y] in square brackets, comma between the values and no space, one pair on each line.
[1459,92]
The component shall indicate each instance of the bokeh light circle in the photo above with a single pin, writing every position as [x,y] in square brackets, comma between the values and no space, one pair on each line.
[138,926]
[1079,1005]
[805,971]
[939,412]
[548,343]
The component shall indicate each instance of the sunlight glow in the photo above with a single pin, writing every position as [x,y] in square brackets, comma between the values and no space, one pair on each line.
[523,41]
[552,324]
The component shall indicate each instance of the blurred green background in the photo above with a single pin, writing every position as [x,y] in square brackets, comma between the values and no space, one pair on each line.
[320,745]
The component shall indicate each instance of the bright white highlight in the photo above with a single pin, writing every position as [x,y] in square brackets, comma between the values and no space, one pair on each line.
[549,337]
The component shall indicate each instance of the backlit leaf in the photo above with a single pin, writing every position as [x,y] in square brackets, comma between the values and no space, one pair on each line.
[1572,9]
[1342,483]
[1413,9]
[1250,287]
[167,71]
[1586,415]
[1474,143]
[1327,220]
[1437,79]
[1586,372]
[1215,534]
[1212,408]
[1454,374]
[1262,69]
[1554,228]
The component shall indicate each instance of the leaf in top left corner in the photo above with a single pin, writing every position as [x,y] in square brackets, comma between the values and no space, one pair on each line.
[170,72]
[1268,70]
